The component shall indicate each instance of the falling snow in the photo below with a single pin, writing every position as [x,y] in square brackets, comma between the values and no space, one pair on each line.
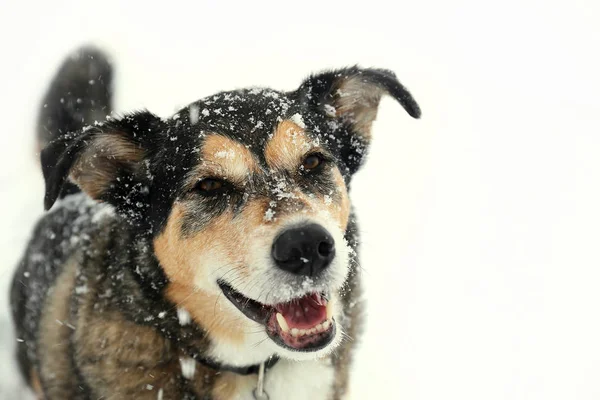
[194,114]
[184,316]
[230,154]
[298,120]
[269,214]
[188,367]
[329,110]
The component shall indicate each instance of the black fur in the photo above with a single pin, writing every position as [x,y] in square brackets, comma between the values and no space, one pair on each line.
[80,95]
[142,191]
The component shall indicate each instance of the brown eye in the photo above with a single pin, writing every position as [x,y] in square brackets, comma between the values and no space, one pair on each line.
[312,162]
[209,185]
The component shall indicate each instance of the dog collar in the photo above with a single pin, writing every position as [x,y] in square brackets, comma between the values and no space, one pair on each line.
[247,370]
[261,369]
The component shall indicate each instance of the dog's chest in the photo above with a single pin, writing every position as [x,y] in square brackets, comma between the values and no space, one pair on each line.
[296,380]
[290,380]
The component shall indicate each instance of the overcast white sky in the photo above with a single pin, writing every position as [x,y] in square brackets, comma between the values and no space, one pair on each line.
[481,222]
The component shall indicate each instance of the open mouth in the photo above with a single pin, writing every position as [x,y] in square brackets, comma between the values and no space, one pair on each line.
[302,324]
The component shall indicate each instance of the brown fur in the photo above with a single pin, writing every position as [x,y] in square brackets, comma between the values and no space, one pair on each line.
[93,173]
[203,310]
[173,250]
[224,158]
[228,385]
[121,360]
[341,201]
[55,336]
[117,358]
[36,385]
[358,101]
[285,150]
[287,146]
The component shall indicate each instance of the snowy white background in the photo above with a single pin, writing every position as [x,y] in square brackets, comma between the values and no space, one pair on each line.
[481,222]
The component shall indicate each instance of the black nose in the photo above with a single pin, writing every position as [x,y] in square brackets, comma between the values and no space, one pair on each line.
[305,250]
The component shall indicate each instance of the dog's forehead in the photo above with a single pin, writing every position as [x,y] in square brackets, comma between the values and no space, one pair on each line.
[233,133]
[249,115]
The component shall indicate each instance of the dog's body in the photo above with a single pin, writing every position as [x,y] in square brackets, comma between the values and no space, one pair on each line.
[199,247]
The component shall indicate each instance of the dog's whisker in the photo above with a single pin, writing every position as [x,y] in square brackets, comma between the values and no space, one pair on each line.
[255,345]
[179,303]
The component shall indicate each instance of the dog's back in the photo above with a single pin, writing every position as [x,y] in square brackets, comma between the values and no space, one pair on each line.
[79,95]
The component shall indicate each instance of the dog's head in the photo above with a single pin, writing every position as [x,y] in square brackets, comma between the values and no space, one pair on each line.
[244,195]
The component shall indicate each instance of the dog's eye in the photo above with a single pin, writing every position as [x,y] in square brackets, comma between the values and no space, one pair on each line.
[312,162]
[209,185]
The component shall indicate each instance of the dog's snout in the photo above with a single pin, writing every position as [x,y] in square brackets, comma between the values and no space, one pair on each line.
[305,250]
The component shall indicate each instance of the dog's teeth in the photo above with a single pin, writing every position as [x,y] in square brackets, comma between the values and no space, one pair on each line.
[329,309]
[282,323]
[322,327]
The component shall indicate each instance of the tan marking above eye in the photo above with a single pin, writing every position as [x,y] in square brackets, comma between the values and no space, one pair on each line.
[224,158]
[288,146]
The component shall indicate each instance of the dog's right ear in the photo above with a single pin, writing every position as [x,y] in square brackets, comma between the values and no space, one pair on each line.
[105,161]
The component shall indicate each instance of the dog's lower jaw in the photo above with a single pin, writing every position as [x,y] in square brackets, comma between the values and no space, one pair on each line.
[257,346]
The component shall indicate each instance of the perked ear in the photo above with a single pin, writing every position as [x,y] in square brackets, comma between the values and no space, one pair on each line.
[353,95]
[105,160]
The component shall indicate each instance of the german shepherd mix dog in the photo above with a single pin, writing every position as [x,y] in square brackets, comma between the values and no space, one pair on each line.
[210,255]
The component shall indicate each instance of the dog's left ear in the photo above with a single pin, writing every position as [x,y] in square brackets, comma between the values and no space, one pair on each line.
[353,94]
[351,97]
[107,161]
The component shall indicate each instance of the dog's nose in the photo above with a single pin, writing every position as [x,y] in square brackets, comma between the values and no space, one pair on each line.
[305,250]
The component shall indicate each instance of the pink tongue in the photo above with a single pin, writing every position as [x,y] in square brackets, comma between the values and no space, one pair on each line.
[304,313]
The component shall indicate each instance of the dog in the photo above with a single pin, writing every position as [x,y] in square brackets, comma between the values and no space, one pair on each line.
[209,255]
